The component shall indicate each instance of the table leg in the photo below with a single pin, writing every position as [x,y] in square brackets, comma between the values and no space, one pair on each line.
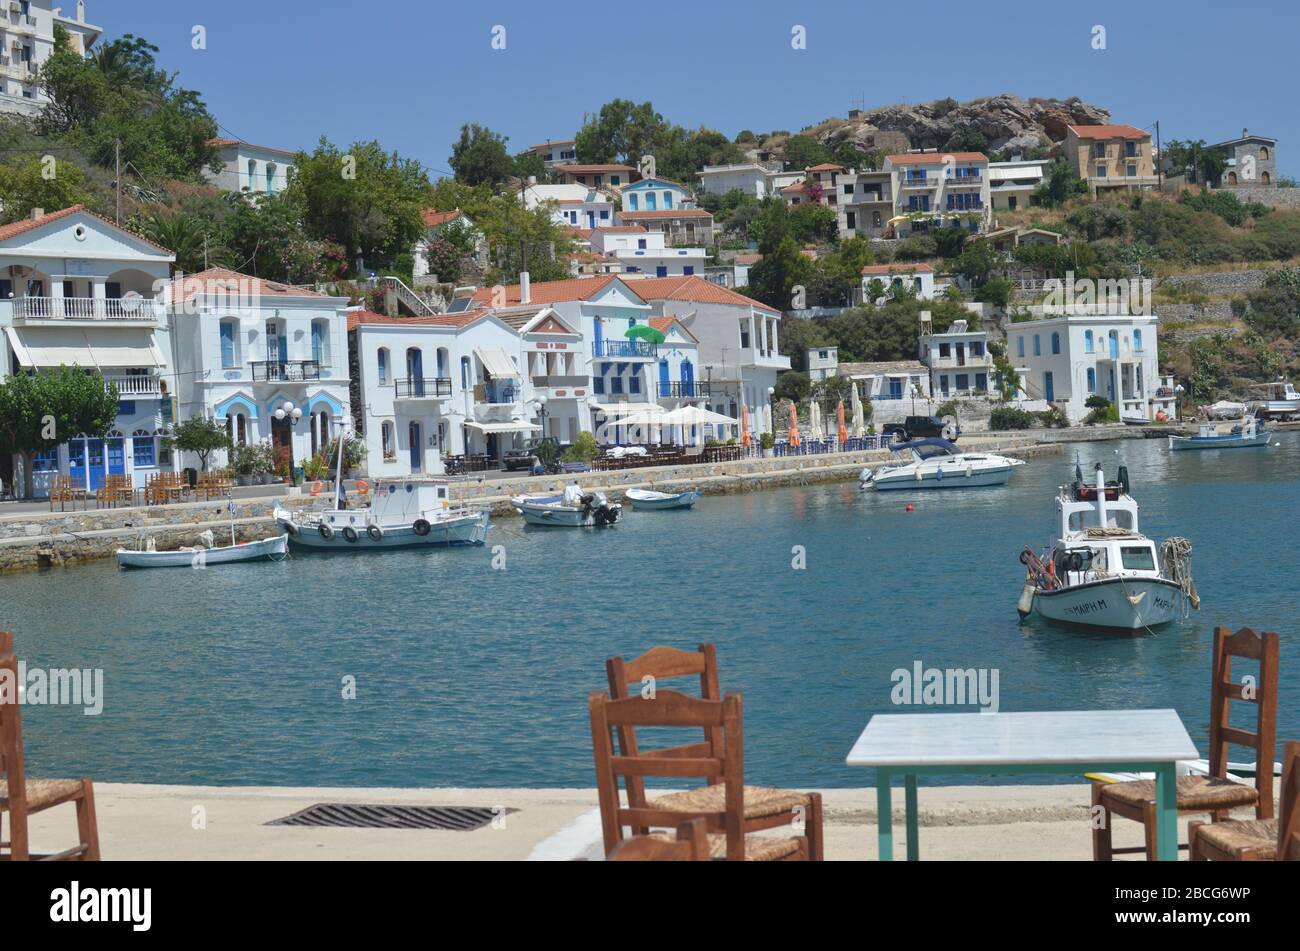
[884,818]
[913,841]
[1166,813]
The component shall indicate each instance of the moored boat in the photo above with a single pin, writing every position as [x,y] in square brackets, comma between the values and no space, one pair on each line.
[591,510]
[398,513]
[649,500]
[1245,434]
[1102,571]
[1276,400]
[203,557]
[938,464]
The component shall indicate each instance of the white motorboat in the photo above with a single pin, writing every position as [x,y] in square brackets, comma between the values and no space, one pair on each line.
[648,500]
[593,509]
[1102,571]
[395,513]
[1244,434]
[1277,400]
[273,549]
[938,464]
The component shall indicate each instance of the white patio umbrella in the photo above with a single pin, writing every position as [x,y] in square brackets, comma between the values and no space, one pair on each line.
[696,416]
[859,427]
[767,418]
[816,422]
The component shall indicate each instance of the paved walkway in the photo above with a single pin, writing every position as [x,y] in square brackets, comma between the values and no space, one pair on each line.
[195,822]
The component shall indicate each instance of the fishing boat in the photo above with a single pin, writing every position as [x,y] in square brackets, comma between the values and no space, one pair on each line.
[1246,434]
[203,557]
[591,510]
[938,464]
[1276,400]
[648,500]
[390,513]
[1101,570]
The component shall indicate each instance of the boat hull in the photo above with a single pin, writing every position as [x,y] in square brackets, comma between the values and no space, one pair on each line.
[952,479]
[464,530]
[560,516]
[681,500]
[1129,604]
[1184,443]
[249,551]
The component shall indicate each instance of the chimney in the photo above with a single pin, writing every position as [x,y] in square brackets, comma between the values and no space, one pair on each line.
[525,288]
[38,213]
[81,11]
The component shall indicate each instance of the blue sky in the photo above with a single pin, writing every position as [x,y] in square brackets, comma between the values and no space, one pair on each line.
[410,72]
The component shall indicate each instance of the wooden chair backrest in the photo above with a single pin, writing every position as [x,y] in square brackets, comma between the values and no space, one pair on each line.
[1288,826]
[11,733]
[669,708]
[662,663]
[692,845]
[1264,649]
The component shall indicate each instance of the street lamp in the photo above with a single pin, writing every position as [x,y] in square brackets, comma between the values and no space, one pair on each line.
[1178,395]
[911,390]
[771,412]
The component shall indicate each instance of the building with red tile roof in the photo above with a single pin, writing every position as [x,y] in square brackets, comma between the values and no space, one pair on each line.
[1111,158]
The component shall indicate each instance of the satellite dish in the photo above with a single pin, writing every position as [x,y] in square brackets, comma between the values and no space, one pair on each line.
[949,428]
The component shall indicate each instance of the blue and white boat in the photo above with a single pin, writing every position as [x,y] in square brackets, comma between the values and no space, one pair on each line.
[649,500]
[591,510]
[1246,434]
[938,464]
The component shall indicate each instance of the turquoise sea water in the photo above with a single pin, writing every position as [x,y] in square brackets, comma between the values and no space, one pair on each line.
[471,676]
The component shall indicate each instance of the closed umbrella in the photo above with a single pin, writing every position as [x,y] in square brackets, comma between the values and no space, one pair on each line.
[859,427]
[794,425]
[767,419]
[815,422]
[843,433]
[745,439]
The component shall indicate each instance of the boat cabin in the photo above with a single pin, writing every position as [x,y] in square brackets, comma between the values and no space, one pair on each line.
[392,502]
[1099,534]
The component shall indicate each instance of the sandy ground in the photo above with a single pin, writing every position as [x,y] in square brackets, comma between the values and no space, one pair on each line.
[195,822]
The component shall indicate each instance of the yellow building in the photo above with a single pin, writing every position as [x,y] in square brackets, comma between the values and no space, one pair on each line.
[1111,157]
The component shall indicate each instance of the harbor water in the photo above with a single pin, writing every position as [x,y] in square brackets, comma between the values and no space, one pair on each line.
[471,667]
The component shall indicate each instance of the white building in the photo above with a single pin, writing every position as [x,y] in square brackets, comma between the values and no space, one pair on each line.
[655,194]
[889,380]
[26,42]
[434,223]
[865,204]
[77,290]
[1065,359]
[959,360]
[1012,184]
[918,278]
[255,169]
[939,189]
[245,348]
[572,204]
[750,178]
[557,152]
[635,250]
[823,362]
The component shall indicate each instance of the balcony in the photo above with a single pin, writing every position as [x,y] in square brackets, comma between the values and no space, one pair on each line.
[136,385]
[684,391]
[85,308]
[955,180]
[917,181]
[625,349]
[285,371]
[556,387]
[426,388]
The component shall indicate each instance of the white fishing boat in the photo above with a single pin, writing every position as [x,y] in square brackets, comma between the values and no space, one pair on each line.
[1276,400]
[388,513]
[649,500]
[203,557]
[592,509]
[938,464]
[1101,571]
[1244,434]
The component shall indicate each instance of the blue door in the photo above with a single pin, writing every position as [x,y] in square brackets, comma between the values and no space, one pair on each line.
[417,453]
[596,337]
[415,371]
[661,271]
[1049,391]
[895,389]
[1114,345]
[688,378]
[664,387]
[77,461]
[95,463]
[116,449]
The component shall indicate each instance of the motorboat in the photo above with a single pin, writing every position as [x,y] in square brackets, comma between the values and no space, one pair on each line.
[648,500]
[591,510]
[938,464]
[203,556]
[1245,434]
[391,513]
[1101,571]
[1276,400]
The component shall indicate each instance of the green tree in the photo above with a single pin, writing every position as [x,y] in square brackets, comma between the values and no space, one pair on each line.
[480,156]
[190,238]
[792,385]
[1061,184]
[199,436]
[38,411]
[773,279]
[38,184]
[803,151]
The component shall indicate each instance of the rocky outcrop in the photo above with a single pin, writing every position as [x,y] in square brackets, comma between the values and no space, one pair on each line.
[1005,122]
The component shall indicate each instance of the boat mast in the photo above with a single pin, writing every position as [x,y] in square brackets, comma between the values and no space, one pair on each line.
[338,478]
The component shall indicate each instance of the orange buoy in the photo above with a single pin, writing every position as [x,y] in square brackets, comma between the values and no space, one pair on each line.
[909,506]
[316,488]
[363,487]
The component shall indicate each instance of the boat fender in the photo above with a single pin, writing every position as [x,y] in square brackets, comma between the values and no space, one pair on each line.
[291,529]
[970,470]
[326,532]
[919,476]
[350,533]
[375,532]
[1026,603]
[938,473]
[421,527]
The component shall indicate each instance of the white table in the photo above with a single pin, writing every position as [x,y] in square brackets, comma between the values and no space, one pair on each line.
[917,744]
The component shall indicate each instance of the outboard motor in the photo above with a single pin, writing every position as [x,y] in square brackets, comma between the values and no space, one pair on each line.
[588,503]
[606,515]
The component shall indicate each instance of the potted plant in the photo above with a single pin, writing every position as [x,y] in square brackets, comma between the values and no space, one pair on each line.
[354,454]
[244,459]
[767,441]
[264,465]
[316,469]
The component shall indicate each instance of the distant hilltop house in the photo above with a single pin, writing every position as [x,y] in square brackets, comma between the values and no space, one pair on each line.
[255,169]
[26,42]
[918,278]
[1012,184]
[656,194]
[557,152]
[1250,160]
[611,175]
[939,189]
[434,223]
[1111,158]
[751,178]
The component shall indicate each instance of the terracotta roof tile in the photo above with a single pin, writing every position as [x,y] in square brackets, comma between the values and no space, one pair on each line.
[692,288]
[666,213]
[550,292]
[900,268]
[16,228]
[936,158]
[1109,132]
[186,287]
[432,219]
[593,169]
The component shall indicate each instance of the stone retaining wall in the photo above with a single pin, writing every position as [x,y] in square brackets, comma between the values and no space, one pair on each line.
[1218,283]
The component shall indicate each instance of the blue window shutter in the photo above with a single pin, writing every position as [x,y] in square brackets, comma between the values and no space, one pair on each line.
[227,344]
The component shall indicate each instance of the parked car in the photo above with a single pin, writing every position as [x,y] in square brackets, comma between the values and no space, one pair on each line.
[526,457]
[919,427]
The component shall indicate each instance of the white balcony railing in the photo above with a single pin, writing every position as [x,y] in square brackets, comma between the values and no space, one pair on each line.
[135,385]
[84,308]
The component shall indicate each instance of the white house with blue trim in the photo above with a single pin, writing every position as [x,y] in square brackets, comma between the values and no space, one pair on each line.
[632,249]
[246,348]
[78,291]
[655,194]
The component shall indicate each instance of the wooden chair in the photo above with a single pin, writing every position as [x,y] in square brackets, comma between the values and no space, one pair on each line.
[1245,840]
[65,490]
[764,808]
[1214,794]
[723,763]
[20,796]
[117,490]
[692,845]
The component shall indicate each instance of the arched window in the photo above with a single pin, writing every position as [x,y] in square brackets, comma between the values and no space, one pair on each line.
[465,373]
[632,199]
[270,178]
[230,342]
[382,357]
[320,341]
[277,345]
[1056,342]
[252,174]
[386,441]
[1137,340]
[1092,379]
[237,427]
[1263,152]
[1232,178]
[444,361]
[1264,178]
[1087,341]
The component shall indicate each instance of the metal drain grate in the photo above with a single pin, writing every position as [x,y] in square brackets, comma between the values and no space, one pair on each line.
[349,815]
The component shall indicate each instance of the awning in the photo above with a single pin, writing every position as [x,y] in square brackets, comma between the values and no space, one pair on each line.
[514,426]
[100,348]
[626,409]
[497,362]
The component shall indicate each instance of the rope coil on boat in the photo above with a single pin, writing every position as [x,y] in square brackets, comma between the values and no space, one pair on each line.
[1176,559]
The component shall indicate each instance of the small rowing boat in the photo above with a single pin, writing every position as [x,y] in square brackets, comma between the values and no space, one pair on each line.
[649,500]
[201,557]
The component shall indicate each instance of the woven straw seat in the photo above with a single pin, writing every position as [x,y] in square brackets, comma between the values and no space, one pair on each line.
[758,848]
[1206,793]
[1257,835]
[759,801]
[42,793]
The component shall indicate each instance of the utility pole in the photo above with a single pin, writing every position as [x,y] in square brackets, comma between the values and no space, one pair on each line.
[1160,172]
[117,164]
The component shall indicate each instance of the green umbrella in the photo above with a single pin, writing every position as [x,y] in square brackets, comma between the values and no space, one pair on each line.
[644,332]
